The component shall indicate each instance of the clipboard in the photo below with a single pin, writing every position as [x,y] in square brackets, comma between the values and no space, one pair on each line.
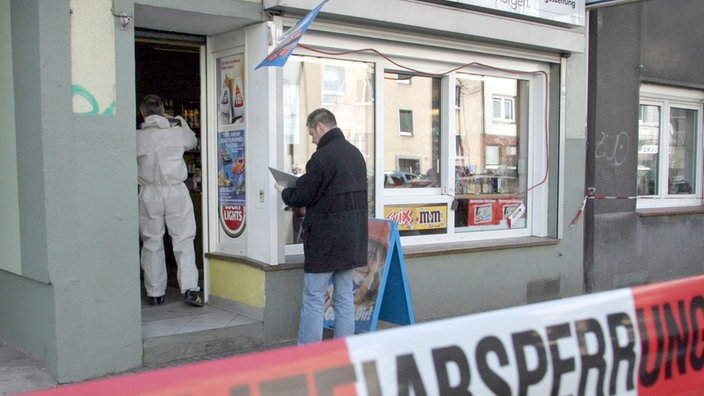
[281,177]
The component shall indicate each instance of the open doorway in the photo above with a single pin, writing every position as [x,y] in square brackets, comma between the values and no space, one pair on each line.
[169,65]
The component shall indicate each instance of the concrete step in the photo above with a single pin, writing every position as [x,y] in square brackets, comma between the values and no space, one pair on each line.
[176,331]
[239,338]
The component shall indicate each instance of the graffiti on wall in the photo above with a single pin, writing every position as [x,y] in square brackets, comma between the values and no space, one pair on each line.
[85,102]
[93,70]
[613,149]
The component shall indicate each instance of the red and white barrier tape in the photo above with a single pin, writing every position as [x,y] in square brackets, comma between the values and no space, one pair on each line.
[645,340]
[590,195]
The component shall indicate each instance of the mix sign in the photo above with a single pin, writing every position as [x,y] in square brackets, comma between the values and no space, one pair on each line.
[647,340]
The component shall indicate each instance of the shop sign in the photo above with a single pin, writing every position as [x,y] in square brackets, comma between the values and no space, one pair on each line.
[417,217]
[287,43]
[563,11]
[603,3]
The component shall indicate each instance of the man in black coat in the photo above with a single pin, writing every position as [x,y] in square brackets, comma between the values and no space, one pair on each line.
[334,192]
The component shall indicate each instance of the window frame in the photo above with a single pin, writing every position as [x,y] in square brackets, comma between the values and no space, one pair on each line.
[503,101]
[537,198]
[408,113]
[667,98]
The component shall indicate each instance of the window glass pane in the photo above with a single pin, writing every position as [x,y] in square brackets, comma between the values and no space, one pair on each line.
[497,108]
[490,168]
[411,160]
[682,154]
[406,121]
[648,149]
[508,109]
[344,87]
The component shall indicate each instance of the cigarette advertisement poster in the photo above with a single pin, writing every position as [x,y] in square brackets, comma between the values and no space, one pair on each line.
[232,181]
[231,146]
[491,211]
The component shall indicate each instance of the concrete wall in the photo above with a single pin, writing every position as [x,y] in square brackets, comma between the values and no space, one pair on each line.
[77,305]
[649,41]
[9,199]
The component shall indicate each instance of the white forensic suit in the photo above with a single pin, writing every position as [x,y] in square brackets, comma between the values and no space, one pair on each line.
[164,200]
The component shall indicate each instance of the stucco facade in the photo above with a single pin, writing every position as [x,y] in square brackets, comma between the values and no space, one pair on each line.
[649,42]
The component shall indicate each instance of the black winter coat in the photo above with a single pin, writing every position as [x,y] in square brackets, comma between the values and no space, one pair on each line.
[334,192]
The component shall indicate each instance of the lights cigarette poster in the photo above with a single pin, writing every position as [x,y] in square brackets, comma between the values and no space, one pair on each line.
[231,148]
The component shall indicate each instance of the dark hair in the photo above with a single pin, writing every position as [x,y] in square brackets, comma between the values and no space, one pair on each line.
[151,105]
[323,116]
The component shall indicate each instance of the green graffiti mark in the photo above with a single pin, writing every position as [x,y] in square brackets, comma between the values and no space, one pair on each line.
[88,97]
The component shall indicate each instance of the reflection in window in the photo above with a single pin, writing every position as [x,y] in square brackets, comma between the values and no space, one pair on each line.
[490,162]
[648,149]
[406,122]
[503,109]
[672,171]
[333,80]
[683,143]
[411,158]
[343,87]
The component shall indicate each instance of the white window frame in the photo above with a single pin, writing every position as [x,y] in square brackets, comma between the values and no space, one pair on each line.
[400,122]
[536,199]
[667,98]
[503,101]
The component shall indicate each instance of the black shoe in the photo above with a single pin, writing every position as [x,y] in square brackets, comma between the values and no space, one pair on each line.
[155,300]
[191,297]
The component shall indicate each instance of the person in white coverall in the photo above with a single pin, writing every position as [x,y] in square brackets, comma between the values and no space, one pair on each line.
[164,200]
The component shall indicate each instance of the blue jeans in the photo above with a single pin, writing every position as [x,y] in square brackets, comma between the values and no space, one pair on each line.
[310,328]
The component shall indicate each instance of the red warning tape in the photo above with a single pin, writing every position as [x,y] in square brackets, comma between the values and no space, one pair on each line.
[590,195]
[640,341]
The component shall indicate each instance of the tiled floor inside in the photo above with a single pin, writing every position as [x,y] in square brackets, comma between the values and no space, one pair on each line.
[175,317]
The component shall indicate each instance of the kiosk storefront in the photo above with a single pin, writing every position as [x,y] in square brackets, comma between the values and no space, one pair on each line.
[470,113]
[469,121]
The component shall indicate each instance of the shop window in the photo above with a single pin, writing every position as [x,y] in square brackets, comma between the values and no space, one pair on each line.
[489,184]
[344,87]
[414,154]
[457,175]
[669,152]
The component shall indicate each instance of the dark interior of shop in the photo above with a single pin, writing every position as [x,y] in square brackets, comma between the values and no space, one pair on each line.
[168,65]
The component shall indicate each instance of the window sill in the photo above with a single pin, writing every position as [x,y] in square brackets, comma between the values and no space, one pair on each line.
[672,211]
[436,249]
[475,246]
[291,263]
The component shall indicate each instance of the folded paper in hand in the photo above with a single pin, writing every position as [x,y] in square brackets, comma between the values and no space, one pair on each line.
[281,177]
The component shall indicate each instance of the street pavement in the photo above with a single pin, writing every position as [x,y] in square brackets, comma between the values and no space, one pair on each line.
[20,372]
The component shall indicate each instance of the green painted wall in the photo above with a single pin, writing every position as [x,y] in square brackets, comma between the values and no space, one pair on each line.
[77,306]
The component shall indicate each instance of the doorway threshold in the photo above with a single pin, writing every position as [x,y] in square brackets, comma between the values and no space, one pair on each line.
[175,330]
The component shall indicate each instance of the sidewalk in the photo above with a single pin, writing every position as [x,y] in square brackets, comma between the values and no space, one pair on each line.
[21,373]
